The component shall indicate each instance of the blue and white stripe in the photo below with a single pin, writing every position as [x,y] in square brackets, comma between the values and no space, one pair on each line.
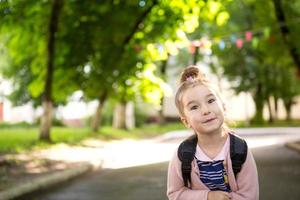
[212,174]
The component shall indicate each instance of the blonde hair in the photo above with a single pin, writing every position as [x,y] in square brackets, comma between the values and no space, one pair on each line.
[192,76]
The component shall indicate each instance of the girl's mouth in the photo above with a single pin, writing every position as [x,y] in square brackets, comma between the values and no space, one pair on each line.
[209,120]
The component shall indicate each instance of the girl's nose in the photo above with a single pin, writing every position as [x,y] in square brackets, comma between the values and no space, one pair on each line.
[205,110]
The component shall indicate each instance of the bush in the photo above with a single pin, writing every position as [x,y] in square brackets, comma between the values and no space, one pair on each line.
[57,122]
[17,125]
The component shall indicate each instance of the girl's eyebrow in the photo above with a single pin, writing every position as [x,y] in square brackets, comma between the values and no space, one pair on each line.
[190,102]
[193,101]
[210,95]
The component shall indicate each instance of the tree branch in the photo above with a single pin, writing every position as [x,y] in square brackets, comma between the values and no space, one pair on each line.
[285,33]
[137,23]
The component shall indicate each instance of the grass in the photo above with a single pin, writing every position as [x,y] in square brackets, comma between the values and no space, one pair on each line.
[145,131]
[276,123]
[17,139]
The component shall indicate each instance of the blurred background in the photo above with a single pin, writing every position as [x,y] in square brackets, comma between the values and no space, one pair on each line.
[72,70]
[117,63]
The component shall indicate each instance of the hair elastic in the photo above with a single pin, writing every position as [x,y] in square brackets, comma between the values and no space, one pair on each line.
[189,78]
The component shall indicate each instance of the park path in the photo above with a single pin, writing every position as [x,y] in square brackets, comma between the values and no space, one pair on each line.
[278,167]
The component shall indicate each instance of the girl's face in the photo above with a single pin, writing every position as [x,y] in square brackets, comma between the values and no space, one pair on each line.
[203,111]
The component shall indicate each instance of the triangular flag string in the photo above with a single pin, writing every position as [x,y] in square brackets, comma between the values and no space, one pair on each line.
[240,38]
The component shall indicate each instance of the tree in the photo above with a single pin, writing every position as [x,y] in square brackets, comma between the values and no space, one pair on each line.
[26,64]
[256,68]
[288,36]
[47,98]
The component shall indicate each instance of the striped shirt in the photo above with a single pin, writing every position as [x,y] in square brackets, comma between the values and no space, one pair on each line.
[212,171]
[213,175]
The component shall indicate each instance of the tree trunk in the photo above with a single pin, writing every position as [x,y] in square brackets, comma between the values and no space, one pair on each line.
[288,107]
[129,113]
[119,116]
[96,122]
[270,110]
[161,117]
[258,117]
[259,104]
[247,119]
[285,33]
[276,107]
[46,121]
[47,97]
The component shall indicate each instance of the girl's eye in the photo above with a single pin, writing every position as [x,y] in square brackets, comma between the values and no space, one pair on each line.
[211,100]
[194,107]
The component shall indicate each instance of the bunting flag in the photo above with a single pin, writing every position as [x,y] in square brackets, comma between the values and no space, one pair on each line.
[239,43]
[222,45]
[248,36]
[238,40]
[233,38]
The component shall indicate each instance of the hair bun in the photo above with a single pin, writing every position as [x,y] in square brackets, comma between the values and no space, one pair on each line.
[192,72]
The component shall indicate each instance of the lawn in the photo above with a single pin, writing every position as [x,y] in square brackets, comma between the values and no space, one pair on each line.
[17,139]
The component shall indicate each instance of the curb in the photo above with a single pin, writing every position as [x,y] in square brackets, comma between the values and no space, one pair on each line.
[294,146]
[44,182]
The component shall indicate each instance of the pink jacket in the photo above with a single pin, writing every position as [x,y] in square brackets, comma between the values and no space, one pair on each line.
[245,187]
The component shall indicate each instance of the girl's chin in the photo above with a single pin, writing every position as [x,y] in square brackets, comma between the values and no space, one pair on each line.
[214,127]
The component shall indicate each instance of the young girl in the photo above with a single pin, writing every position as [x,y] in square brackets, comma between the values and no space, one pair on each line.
[212,177]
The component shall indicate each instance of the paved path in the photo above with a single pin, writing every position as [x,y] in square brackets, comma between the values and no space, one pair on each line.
[279,170]
[135,183]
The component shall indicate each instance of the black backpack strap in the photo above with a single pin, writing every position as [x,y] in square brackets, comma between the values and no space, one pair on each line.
[186,153]
[238,153]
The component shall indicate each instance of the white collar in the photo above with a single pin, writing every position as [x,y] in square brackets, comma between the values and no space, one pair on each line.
[200,155]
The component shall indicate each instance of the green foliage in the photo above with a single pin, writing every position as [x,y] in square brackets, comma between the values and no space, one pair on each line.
[24,32]
[144,86]
[264,69]
[24,41]
[90,49]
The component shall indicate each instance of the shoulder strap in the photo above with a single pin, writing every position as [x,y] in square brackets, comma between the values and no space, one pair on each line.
[186,152]
[238,153]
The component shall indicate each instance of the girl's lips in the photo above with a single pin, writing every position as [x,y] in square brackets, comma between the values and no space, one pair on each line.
[209,120]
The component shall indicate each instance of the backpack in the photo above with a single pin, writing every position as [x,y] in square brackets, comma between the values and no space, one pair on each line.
[186,153]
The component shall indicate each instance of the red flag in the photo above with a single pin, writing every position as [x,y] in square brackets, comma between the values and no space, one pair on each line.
[239,43]
[248,35]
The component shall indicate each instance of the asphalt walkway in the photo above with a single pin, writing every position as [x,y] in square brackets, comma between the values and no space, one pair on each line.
[127,168]
[278,168]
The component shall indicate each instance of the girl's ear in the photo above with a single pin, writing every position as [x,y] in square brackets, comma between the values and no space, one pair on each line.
[185,122]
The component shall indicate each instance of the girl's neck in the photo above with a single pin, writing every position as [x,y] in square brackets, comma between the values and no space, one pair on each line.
[212,143]
[212,139]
